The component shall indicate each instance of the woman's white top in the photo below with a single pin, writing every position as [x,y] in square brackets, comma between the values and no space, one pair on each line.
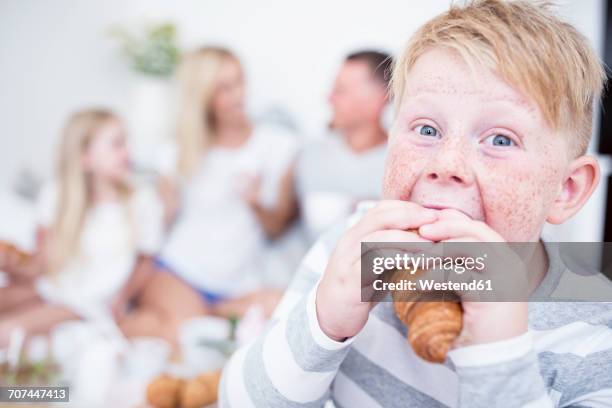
[217,244]
[112,236]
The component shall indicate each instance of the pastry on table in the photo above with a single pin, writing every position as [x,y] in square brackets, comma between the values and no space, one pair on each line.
[164,391]
[168,392]
[200,391]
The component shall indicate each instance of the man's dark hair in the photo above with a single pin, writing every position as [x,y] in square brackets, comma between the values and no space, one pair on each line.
[379,62]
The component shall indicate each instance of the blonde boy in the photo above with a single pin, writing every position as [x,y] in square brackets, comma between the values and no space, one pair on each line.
[494,112]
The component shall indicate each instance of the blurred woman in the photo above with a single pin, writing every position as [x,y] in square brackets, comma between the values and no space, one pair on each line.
[236,186]
[97,237]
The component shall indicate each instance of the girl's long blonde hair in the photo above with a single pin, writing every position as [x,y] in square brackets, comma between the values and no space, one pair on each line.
[197,80]
[73,185]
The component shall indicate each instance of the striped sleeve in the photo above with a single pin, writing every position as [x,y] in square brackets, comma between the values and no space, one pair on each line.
[575,352]
[294,363]
[563,361]
[504,372]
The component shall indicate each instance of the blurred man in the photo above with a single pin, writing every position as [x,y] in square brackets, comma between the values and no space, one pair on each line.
[331,175]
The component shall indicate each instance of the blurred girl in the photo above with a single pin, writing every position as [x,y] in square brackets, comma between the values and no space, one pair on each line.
[236,186]
[97,237]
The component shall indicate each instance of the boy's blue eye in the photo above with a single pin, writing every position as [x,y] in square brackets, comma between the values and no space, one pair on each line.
[426,130]
[501,140]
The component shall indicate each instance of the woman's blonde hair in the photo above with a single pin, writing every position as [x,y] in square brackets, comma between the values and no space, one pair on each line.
[197,80]
[73,185]
[530,47]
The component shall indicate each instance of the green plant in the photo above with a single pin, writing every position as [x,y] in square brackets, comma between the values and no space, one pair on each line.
[152,51]
[43,372]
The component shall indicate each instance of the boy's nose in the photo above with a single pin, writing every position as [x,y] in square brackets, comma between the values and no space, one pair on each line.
[445,177]
[450,168]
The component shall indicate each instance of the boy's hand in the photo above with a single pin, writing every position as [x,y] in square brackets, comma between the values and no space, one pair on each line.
[340,311]
[483,322]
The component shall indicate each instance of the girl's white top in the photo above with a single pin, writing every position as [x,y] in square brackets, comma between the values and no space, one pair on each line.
[112,236]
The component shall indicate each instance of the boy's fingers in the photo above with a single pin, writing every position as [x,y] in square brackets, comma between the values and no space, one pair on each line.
[451,214]
[395,236]
[393,239]
[462,239]
[451,229]
[396,215]
[395,242]
[505,269]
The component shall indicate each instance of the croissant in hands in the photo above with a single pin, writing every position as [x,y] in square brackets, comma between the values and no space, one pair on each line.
[432,326]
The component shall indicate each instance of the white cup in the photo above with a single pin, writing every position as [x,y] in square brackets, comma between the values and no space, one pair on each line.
[195,334]
[97,370]
[146,357]
[68,339]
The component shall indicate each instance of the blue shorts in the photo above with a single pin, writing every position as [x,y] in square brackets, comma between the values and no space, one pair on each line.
[210,298]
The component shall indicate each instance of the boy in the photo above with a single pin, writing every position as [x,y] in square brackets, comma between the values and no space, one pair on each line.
[494,112]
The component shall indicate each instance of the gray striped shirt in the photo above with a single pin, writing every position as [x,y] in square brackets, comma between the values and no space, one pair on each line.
[565,359]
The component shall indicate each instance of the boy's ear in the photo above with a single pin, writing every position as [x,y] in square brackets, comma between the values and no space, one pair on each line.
[580,182]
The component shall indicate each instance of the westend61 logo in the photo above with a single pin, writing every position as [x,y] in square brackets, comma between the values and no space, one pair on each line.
[486,271]
[405,273]
[412,263]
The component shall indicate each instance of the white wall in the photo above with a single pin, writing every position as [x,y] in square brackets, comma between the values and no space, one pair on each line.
[56,56]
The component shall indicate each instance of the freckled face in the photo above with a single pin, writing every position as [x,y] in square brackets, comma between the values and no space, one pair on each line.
[465,139]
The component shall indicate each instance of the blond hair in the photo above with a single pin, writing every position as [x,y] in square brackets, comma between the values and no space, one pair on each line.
[529,47]
[73,185]
[197,80]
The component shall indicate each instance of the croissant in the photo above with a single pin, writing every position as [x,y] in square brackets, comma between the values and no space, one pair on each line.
[163,392]
[200,391]
[432,326]
[168,392]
